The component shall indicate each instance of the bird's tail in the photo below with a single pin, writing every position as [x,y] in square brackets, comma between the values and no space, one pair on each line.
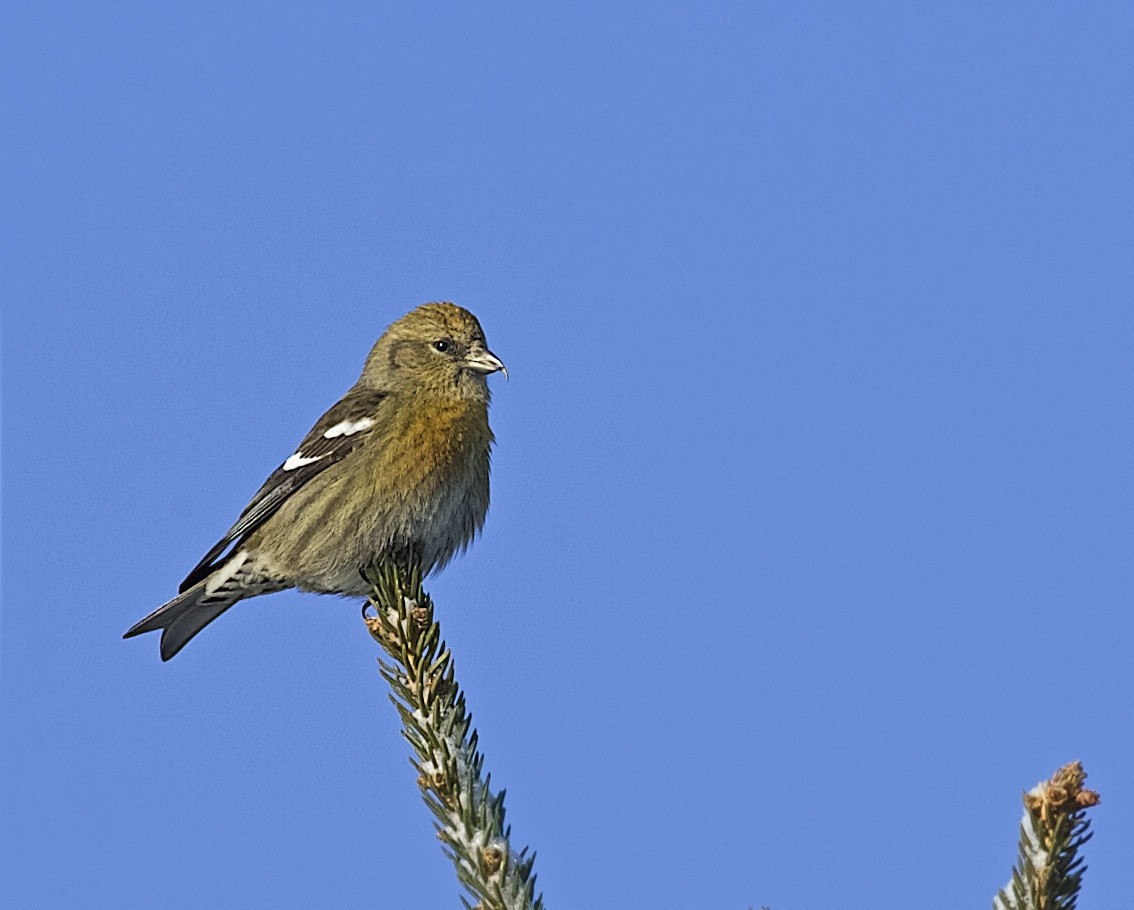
[237,577]
[186,615]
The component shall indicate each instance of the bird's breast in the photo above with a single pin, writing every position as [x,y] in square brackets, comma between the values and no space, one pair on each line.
[435,477]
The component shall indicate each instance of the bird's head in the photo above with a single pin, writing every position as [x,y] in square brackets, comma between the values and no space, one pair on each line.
[437,348]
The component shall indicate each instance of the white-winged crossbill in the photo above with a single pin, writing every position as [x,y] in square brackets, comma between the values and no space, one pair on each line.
[396,471]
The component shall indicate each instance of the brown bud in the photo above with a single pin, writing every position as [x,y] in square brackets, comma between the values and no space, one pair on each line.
[491,859]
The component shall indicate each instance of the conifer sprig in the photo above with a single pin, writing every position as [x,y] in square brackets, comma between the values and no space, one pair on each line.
[1049,871]
[469,818]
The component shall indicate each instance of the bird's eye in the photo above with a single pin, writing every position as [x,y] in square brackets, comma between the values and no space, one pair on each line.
[442,346]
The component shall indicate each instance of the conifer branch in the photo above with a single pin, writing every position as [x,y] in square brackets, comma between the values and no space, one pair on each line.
[469,818]
[1049,871]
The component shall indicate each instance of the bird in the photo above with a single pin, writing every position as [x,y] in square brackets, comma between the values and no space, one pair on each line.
[395,472]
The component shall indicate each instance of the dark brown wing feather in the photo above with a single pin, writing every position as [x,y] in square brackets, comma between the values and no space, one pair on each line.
[356,405]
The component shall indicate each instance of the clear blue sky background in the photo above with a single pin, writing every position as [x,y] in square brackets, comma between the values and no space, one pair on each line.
[812,526]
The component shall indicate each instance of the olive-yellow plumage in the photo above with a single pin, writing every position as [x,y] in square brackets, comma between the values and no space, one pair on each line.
[397,470]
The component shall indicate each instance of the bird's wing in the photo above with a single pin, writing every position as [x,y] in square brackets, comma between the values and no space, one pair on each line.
[336,434]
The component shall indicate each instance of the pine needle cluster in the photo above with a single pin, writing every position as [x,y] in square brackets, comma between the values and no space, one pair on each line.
[469,818]
[1049,871]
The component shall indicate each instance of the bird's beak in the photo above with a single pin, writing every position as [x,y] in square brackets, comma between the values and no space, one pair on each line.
[484,361]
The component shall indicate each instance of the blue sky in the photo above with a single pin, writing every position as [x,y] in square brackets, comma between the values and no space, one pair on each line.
[812,522]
